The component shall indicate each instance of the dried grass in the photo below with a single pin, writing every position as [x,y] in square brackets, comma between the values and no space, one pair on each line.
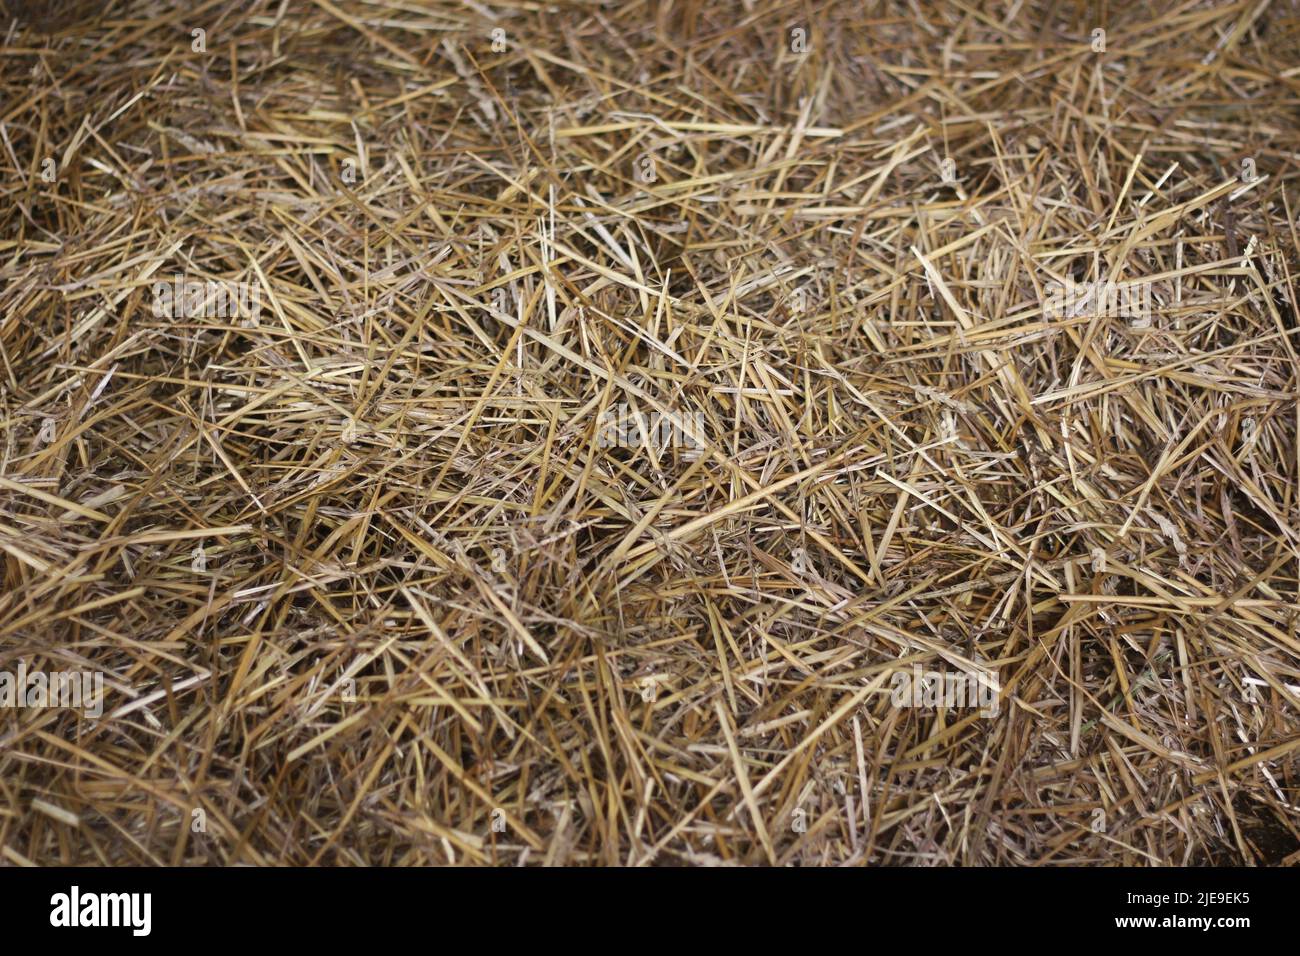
[674,657]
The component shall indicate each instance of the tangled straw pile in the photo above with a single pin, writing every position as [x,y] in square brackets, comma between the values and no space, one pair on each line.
[369,584]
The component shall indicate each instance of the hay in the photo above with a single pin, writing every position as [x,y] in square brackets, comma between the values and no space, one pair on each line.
[553,446]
